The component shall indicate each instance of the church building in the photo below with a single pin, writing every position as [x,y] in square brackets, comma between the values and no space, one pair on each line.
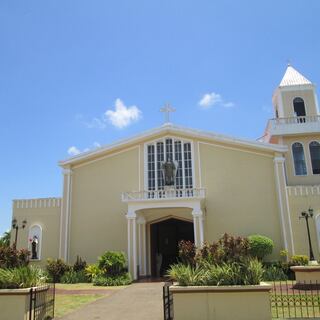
[144,194]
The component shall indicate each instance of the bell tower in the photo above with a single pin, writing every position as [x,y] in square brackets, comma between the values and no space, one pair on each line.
[295,96]
[296,123]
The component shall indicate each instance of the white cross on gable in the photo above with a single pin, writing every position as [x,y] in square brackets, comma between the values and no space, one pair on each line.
[167,109]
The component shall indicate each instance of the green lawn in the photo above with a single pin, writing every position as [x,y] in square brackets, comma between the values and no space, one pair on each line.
[66,303]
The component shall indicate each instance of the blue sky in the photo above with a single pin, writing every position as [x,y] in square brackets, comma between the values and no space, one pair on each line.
[85,73]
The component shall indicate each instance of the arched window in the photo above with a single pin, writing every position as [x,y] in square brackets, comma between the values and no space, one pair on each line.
[299,159]
[314,148]
[299,107]
[35,241]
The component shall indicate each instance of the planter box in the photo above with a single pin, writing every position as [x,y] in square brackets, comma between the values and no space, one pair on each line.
[15,303]
[222,303]
[307,275]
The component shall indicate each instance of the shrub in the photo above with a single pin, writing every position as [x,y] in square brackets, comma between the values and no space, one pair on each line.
[299,260]
[73,276]
[249,272]
[117,280]
[56,269]
[5,239]
[12,258]
[112,263]
[260,246]
[92,270]
[252,272]
[187,275]
[79,265]
[274,273]
[187,252]
[22,277]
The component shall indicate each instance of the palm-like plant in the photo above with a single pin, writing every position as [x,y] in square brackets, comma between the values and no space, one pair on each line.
[5,239]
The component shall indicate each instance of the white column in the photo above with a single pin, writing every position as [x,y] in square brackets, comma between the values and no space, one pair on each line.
[132,244]
[141,245]
[65,215]
[195,227]
[198,227]
[283,203]
[134,236]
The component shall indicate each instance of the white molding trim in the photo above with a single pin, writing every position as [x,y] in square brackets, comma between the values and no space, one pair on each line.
[38,203]
[199,165]
[171,129]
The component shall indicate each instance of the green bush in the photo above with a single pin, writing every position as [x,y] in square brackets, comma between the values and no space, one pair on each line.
[187,275]
[112,263]
[260,246]
[12,258]
[22,277]
[5,239]
[79,265]
[73,276]
[92,270]
[299,260]
[248,272]
[274,273]
[56,269]
[118,280]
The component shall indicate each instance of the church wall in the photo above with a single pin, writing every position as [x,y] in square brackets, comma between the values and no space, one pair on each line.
[292,179]
[241,196]
[48,218]
[306,95]
[298,204]
[98,221]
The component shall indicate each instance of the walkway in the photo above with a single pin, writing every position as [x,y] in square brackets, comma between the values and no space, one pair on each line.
[141,301]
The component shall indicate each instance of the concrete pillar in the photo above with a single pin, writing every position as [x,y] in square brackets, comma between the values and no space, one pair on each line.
[283,204]
[132,244]
[65,215]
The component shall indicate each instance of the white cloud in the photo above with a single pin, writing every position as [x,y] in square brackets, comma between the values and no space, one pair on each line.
[73,151]
[123,116]
[120,117]
[211,99]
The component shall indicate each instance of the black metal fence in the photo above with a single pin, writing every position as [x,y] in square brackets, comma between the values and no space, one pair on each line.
[42,302]
[167,302]
[295,300]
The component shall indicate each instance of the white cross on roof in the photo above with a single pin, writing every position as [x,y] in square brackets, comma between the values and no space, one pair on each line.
[167,109]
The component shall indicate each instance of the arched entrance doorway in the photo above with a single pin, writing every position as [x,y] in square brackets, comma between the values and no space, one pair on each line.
[164,238]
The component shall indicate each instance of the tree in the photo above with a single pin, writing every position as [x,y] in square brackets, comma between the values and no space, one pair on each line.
[5,239]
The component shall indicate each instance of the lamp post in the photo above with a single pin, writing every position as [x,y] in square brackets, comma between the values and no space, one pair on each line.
[306,215]
[15,226]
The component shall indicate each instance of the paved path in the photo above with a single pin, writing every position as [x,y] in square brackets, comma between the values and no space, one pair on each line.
[139,301]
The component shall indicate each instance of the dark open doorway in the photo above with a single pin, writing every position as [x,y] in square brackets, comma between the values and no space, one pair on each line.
[165,236]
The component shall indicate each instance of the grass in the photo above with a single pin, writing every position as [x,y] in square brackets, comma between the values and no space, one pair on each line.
[83,286]
[65,303]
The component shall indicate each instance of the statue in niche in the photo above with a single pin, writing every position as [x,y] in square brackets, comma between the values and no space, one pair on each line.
[169,170]
[34,247]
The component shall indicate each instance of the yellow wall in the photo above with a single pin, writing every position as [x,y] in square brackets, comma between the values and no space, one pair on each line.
[297,205]
[310,178]
[49,220]
[241,194]
[98,221]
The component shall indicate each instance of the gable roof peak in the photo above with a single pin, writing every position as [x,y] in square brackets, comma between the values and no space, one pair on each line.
[293,77]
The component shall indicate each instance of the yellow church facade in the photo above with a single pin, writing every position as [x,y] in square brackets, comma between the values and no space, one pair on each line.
[144,194]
